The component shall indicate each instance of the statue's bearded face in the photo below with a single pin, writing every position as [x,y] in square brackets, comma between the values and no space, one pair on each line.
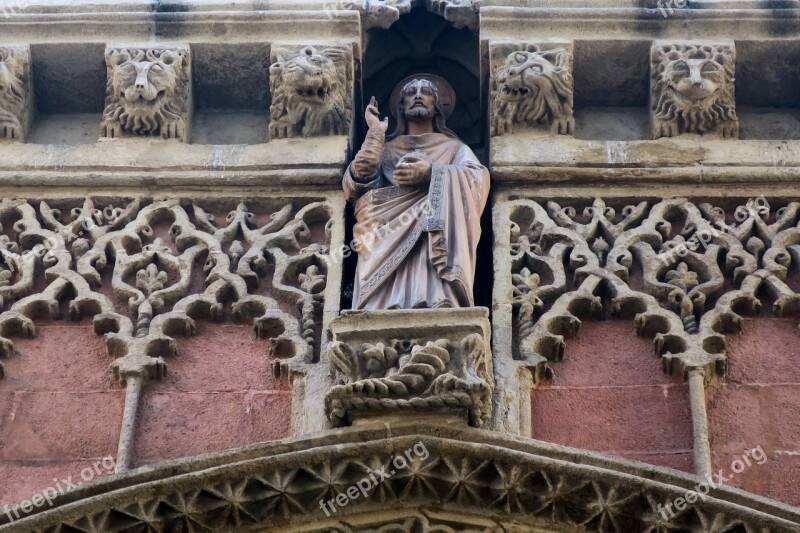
[419,100]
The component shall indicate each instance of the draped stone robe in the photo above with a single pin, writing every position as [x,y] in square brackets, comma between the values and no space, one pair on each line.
[417,245]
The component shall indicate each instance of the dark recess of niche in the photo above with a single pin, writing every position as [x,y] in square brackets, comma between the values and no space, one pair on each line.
[423,42]
[63,84]
[767,76]
[231,76]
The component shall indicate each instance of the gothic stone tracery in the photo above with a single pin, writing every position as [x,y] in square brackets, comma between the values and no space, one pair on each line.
[679,294]
[155,273]
[148,269]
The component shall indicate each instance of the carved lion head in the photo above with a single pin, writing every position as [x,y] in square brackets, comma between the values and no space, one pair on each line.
[147,91]
[693,85]
[532,87]
[309,92]
[12,94]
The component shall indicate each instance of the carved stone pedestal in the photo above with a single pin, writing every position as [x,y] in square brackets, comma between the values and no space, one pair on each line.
[418,362]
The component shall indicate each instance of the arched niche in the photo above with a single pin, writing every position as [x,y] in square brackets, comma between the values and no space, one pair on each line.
[424,42]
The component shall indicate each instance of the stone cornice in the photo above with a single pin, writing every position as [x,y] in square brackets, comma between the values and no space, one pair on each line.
[562,161]
[244,20]
[152,163]
[141,22]
[554,20]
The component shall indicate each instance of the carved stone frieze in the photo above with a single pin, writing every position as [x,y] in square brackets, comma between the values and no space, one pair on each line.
[531,86]
[149,92]
[311,90]
[420,361]
[692,89]
[94,258]
[16,102]
[464,480]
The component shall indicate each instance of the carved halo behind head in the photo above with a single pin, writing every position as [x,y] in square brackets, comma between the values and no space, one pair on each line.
[445,103]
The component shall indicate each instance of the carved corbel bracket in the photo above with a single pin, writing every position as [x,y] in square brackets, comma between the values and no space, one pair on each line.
[532,87]
[427,361]
[16,102]
[384,13]
[692,89]
[148,93]
[460,13]
[311,89]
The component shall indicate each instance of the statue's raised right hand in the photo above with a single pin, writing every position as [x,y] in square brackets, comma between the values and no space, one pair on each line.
[373,118]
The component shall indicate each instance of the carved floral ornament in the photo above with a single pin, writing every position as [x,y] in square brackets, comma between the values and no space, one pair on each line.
[683,282]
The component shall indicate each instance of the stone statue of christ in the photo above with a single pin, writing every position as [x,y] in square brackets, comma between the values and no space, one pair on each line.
[418,202]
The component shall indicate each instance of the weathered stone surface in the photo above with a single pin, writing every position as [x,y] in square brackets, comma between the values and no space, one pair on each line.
[686,165]
[756,407]
[384,13]
[610,376]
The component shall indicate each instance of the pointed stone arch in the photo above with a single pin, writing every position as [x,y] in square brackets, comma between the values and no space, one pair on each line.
[453,479]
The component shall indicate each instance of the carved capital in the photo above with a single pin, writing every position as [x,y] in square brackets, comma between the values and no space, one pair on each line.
[311,89]
[532,87]
[692,89]
[16,104]
[415,361]
[148,93]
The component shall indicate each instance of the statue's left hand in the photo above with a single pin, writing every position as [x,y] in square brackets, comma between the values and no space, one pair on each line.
[413,169]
